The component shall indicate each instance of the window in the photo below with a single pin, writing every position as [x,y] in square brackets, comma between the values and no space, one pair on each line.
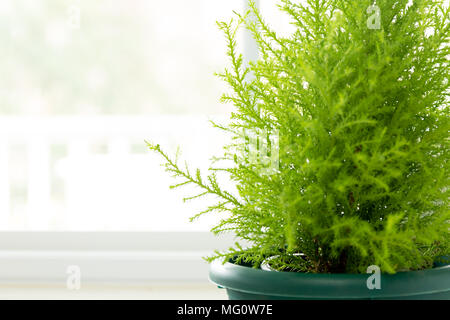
[86,82]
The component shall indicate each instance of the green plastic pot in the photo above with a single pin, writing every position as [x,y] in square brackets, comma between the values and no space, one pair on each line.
[246,283]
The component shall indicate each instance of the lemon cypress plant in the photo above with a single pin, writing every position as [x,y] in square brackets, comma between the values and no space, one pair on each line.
[340,146]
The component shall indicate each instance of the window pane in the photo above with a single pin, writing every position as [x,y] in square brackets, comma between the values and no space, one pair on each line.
[86,82]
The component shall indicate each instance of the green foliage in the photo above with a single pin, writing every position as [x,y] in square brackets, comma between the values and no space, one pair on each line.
[362,118]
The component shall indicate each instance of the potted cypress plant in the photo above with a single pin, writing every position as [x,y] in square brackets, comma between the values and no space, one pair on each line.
[339,154]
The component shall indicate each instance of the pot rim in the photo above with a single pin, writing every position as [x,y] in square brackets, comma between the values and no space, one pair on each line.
[405,284]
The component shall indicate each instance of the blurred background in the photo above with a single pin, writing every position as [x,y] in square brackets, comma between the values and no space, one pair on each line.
[84,83]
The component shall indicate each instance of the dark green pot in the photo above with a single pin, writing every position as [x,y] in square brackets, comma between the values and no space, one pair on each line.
[246,283]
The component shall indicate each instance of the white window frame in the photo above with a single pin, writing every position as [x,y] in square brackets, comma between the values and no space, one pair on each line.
[111,256]
[142,257]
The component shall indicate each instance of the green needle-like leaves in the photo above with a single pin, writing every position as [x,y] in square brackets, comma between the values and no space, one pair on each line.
[362,122]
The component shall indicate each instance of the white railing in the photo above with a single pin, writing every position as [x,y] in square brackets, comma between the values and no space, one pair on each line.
[119,189]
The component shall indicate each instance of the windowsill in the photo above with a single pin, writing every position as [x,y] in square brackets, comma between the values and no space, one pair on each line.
[103,266]
[115,257]
[145,291]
